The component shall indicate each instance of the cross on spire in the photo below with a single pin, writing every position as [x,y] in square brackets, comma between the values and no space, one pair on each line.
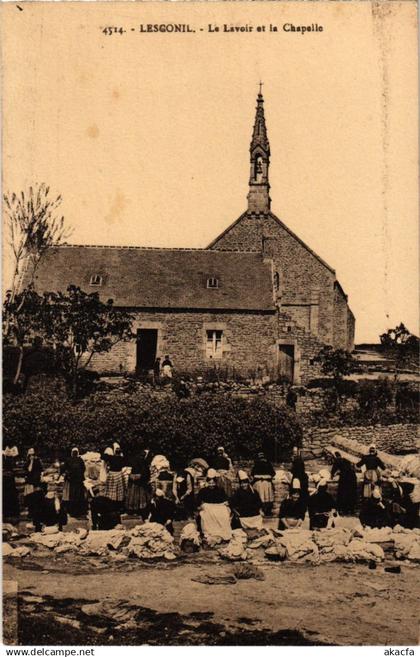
[259,186]
[259,136]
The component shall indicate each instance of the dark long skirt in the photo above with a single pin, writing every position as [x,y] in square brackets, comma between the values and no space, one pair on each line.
[10,497]
[318,521]
[105,513]
[138,497]
[186,508]
[347,493]
[75,498]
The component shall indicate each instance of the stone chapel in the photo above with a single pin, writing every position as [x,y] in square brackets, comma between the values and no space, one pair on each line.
[257,300]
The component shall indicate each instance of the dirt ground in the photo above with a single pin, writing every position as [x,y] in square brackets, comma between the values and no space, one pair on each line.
[96,603]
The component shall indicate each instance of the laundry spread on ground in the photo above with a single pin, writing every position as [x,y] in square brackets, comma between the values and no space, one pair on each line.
[152,541]
[147,541]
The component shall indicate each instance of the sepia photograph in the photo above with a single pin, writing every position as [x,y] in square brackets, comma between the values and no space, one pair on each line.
[210,361]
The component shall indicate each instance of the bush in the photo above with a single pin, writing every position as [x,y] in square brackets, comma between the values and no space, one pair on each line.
[374,397]
[368,402]
[180,429]
[407,401]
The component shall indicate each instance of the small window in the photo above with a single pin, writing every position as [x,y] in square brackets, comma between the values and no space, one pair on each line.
[276,281]
[289,329]
[213,283]
[214,344]
[95,280]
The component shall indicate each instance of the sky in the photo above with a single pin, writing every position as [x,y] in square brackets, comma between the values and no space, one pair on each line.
[146,135]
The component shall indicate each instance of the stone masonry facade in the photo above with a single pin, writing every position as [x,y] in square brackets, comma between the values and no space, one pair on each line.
[306,285]
[183,335]
[266,299]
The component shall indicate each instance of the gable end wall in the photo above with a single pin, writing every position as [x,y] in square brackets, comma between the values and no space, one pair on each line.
[302,274]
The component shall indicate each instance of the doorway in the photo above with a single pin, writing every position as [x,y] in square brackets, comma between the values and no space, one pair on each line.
[146,349]
[286,363]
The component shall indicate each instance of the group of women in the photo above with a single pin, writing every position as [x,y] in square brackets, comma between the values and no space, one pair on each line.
[144,485]
[375,511]
[141,484]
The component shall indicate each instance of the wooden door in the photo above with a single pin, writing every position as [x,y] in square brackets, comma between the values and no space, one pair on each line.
[286,361]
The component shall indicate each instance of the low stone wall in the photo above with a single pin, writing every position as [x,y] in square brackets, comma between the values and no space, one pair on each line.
[394,438]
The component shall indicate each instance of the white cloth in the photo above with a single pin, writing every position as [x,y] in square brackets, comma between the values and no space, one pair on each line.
[299,545]
[242,475]
[160,462]
[103,473]
[190,533]
[264,489]
[167,371]
[215,521]
[253,522]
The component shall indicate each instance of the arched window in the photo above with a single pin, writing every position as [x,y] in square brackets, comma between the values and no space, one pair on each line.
[258,172]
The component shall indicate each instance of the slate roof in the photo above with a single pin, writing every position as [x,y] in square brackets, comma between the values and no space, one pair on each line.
[161,278]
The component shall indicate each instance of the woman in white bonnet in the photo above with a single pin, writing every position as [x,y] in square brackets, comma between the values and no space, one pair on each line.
[320,506]
[246,505]
[373,512]
[214,512]
[373,465]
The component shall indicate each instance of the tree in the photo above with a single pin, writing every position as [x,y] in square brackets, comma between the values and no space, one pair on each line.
[22,319]
[79,325]
[401,346]
[34,227]
[335,362]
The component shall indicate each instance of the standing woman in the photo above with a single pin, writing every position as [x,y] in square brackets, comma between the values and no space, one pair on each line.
[373,465]
[74,492]
[299,473]
[33,471]
[10,494]
[115,487]
[347,485]
[166,369]
[222,463]
[139,490]
[263,474]
[184,490]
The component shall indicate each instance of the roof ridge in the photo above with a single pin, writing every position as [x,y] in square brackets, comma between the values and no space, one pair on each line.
[308,248]
[227,229]
[153,248]
[130,247]
[283,225]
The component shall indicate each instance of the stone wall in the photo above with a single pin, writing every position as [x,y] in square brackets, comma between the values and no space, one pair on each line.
[301,272]
[394,438]
[306,346]
[340,319]
[248,342]
[351,327]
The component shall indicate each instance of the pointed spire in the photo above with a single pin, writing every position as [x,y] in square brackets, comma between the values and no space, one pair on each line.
[259,135]
[259,187]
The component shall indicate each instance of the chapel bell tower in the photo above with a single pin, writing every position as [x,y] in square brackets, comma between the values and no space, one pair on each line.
[259,188]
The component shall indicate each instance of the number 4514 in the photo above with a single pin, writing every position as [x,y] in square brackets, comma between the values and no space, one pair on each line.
[113,30]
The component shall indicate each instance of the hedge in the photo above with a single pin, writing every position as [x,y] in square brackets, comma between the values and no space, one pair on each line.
[180,429]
